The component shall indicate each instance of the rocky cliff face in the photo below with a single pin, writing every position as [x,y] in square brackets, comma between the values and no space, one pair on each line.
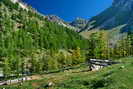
[58,20]
[54,18]
[79,23]
[119,13]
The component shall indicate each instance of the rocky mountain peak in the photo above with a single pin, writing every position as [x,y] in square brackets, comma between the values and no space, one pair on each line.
[119,13]
[58,20]
[124,4]
[79,23]
[54,18]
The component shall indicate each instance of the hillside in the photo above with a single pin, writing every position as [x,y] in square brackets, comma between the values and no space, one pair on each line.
[118,14]
[54,56]
[15,20]
[31,43]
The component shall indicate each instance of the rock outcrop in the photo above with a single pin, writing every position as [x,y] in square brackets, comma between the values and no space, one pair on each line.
[21,4]
[58,20]
[79,23]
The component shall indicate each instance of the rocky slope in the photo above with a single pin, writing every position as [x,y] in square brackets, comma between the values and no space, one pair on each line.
[118,14]
[21,4]
[79,23]
[51,18]
[58,20]
[75,25]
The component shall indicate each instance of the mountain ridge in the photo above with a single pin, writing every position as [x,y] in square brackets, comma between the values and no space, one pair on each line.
[21,3]
[79,23]
[119,13]
[58,20]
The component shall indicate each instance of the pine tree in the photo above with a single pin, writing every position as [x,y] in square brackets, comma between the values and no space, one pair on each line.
[7,68]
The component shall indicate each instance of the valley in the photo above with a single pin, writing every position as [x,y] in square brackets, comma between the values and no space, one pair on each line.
[113,77]
[55,54]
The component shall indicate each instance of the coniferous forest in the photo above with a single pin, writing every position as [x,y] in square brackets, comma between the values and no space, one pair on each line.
[30,44]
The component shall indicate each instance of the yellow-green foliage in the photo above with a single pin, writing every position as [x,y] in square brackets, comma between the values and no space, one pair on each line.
[52,64]
[31,43]
[77,57]
[98,46]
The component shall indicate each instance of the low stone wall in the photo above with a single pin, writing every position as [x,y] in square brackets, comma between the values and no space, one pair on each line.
[14,81]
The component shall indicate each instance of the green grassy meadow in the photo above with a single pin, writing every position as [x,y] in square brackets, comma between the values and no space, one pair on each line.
[118,76]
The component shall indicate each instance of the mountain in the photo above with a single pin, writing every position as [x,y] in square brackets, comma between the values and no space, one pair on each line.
[79,23]
[118,14]
[54,18]
[31,43]
[22,29]
[21,3]
[58,20]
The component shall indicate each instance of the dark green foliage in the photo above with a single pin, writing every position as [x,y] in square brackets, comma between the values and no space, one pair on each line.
[30,43]
[26,29]
[98,46]
[101,48]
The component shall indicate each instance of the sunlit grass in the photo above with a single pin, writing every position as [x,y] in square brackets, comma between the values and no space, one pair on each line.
[114,77]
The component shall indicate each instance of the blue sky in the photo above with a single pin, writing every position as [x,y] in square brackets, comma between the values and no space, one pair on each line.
[70,9]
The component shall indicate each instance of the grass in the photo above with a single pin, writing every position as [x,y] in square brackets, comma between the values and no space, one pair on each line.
[118,76]
[114,34]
